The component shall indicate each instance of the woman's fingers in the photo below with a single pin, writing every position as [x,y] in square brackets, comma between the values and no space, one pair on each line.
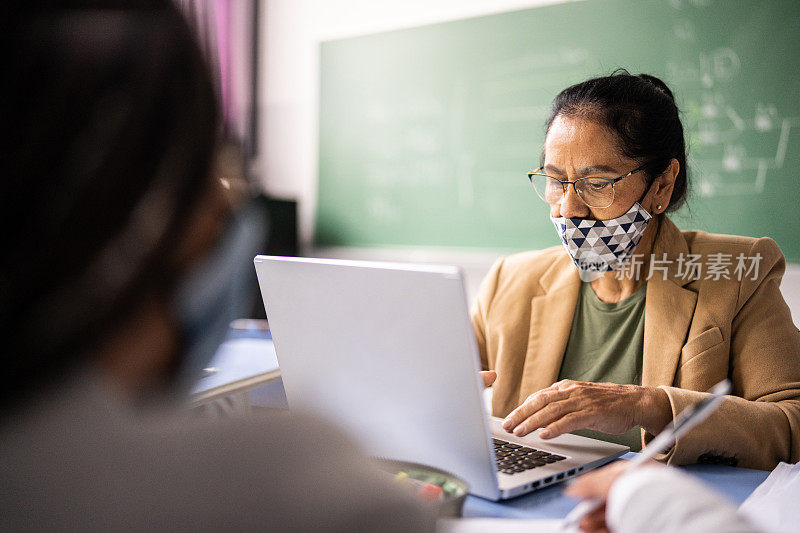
[607,407]
[489,377]
[565,424]
[549,414]
[532,405]
[595,522]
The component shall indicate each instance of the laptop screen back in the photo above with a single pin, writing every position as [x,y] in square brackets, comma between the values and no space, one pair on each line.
[386,352]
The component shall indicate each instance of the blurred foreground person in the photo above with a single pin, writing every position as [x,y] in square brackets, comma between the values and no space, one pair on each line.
[654,498]
[120,247]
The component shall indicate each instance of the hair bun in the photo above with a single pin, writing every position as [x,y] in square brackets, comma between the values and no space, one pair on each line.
[657,83]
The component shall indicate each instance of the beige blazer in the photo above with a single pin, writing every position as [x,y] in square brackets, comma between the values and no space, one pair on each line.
[696,333]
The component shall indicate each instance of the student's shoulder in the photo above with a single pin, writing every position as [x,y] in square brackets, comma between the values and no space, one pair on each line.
[276,455]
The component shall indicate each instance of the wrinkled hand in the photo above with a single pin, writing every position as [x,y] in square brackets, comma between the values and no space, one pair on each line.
[608,407]
[489,377]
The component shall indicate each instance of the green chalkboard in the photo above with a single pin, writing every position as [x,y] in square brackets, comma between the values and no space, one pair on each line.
[426,134]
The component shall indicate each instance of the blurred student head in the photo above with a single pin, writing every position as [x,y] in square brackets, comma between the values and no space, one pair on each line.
[108,190]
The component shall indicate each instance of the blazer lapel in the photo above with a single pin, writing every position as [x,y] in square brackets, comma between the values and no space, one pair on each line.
[669,309]
[551,322]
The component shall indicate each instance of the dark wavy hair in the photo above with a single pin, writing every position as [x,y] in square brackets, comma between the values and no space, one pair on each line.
[114,126]
[641,111]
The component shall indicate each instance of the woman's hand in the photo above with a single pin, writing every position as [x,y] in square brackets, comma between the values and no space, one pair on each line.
[608,407]
[596,485]
[489,377]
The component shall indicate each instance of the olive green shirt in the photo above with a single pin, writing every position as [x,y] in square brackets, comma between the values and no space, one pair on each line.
[605,345]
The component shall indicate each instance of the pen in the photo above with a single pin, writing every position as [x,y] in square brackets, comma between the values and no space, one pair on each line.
[686,420]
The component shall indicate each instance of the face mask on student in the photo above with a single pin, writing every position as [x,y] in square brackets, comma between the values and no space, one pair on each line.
[216,291]
[598,246]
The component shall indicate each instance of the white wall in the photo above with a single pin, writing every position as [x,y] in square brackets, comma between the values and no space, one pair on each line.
[291,31]
[790,287]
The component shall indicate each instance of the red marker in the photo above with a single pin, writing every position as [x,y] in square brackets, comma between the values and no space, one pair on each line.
[430,492]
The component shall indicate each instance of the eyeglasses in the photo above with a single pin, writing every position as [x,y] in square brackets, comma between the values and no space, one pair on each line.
[594,192]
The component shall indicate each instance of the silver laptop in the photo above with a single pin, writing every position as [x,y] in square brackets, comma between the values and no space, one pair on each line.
[387,352]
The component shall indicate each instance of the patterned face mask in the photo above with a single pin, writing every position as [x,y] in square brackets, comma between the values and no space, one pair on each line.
[597,246]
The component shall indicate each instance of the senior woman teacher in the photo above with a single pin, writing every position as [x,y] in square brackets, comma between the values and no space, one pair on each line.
[629,321]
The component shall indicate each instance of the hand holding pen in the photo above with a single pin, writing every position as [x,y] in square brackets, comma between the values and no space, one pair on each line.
[685,421]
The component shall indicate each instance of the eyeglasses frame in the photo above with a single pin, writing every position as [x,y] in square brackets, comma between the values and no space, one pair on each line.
[566,183]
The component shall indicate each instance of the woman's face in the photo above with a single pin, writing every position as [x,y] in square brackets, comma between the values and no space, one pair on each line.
[576,148]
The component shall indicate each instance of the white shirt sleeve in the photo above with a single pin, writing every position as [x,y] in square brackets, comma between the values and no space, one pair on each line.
[666,500]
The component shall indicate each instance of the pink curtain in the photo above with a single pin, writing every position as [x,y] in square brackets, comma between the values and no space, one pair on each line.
[226,32]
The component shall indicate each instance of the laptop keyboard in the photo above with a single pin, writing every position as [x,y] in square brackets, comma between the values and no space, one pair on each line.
[515,458]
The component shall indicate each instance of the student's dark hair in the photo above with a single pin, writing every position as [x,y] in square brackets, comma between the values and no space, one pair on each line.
[114,124]
[641,112]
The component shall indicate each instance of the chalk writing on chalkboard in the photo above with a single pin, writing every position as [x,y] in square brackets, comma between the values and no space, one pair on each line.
[426,134]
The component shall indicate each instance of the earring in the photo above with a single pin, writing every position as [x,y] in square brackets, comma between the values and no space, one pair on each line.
[658,207]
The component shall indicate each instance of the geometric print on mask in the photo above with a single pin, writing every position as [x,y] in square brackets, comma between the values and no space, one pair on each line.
[602,245]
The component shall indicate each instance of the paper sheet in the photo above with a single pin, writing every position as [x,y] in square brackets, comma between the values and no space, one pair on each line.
[774,503]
